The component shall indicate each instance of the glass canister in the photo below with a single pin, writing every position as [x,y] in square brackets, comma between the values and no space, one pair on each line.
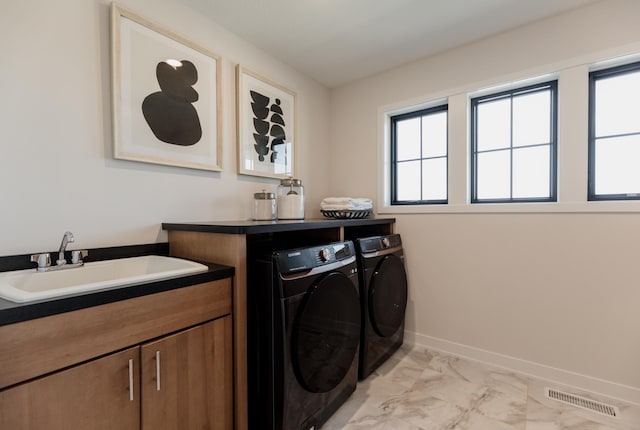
[290,199]
[264,206]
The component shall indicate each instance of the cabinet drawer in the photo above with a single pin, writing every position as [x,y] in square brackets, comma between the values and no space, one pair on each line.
[36,347]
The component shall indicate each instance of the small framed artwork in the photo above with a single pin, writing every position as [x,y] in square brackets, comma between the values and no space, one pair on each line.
[266,126]
[165,95]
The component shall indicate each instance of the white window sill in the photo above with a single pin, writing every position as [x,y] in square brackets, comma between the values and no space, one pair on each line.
[480,208]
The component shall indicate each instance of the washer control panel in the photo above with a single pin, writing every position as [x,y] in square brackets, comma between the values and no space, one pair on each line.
[299,259]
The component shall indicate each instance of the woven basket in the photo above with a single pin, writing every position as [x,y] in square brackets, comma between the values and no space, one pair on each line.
[347,214]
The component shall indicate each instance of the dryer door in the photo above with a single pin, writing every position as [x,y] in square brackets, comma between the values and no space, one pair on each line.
[326,333]
[388,295]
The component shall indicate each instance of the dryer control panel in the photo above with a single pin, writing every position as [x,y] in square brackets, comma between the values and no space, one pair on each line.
[379,243]
[297,260]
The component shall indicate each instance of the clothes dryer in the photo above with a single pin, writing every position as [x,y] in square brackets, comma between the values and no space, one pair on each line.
[383,295]
[303,350]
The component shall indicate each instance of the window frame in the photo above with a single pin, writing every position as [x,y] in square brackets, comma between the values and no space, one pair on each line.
[591,182]
[552,86]
[393,119]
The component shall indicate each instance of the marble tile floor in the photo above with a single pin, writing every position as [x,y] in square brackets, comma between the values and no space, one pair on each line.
[418,389]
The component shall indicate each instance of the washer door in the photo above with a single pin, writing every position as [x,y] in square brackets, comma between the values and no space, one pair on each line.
[388,296]
[326,333]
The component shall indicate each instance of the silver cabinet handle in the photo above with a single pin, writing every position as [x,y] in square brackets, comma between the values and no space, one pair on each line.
[157,370]
[131,379]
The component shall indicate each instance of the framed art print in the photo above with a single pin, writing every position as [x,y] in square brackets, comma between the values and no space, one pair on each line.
[166,96]
[266,126]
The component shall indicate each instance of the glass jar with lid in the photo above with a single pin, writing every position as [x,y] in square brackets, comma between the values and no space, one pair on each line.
[264,206]
[290,199]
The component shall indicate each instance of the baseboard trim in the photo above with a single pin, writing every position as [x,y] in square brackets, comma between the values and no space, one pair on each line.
[610,389]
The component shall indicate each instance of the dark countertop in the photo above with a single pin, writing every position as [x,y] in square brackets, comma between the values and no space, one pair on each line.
[11,312]
[258,227]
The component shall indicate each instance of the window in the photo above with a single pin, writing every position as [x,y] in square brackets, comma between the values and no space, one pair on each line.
[419,157]
[514,137]
[614,133]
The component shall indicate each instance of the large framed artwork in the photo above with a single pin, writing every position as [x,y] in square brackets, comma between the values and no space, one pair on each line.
[166,96]
[266,126]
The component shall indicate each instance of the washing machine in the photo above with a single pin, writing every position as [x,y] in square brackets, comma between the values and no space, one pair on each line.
[383,294]
[303,336]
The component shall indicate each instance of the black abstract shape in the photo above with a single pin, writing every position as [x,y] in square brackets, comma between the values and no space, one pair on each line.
[260,112]
[262,127]
[276,107]
[259,99]
[277,129]
[259,106]
[277,119]
[267,130]
[261,146]
[177,82]
[169,112]
[277,132]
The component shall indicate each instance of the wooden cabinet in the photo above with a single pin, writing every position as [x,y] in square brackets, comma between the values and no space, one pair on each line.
[187,379]
[178,381]
[94,395]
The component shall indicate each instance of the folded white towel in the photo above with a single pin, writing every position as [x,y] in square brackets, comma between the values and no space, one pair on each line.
[337,200]
[345,200]
[346,203]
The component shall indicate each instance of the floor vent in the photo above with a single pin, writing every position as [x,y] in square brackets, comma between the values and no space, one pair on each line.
[582,402]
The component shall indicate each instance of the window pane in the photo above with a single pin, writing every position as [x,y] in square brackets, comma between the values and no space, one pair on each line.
[494,125]
[494,175]
[434,135]
[531,119]
[531,172]
[408,180]
[418,137]
[434,179]
[617,162]
[617,110]
[408,139]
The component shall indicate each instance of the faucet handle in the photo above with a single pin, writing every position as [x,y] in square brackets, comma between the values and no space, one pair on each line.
[43,260]
[78,255]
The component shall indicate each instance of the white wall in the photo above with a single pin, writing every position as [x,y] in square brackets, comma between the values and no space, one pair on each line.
[57,172]
[558,290]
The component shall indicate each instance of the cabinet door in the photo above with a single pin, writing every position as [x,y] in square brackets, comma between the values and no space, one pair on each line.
[92,396]
[187,379]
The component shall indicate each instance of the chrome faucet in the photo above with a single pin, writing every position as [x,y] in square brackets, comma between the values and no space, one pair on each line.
[44,259]
[66,239]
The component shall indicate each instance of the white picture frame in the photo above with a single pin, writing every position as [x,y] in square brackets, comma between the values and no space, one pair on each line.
[266,126]
[165,96]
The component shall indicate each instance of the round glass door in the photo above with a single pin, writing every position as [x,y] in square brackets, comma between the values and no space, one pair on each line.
[326,333]
[388,296]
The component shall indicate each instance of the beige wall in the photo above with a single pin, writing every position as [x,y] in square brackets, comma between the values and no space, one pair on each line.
[56,167]
[556,288]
